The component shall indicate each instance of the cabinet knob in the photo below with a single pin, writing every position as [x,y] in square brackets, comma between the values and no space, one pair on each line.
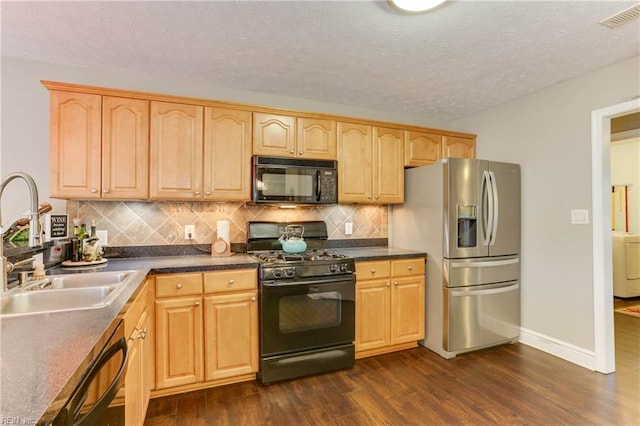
[178,286]
[376,197]
[105,191]
[231,281]
[196,193]
[410,268]
[388,284]
[300,152]
[93,190]
[292,152]
[373,271]
[253,299]
[207,193]
[368,197]
[197,303]
[142,334]
[395,283]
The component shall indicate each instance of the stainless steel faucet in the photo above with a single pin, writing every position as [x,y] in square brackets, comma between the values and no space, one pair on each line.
[34,224]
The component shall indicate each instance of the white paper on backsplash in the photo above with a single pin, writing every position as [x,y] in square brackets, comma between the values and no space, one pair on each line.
[136,223]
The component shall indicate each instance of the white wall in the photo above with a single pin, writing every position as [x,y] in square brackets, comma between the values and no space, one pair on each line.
[625,170]
[25,117]
[548,133]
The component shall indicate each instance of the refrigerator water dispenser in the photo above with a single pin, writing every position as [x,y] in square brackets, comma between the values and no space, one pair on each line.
[467,222]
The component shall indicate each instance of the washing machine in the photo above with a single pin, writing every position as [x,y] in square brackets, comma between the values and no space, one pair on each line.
[626,264]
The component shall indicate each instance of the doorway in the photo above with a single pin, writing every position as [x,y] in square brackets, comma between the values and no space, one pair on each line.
[602,253]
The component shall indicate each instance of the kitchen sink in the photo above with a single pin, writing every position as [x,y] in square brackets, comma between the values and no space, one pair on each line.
[66,292]
[27,302]
[89,279]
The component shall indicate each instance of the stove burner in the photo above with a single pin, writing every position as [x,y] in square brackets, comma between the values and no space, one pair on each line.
[277,256]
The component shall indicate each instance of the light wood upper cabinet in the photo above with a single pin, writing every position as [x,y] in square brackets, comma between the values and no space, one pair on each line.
[125,148]
[274,135]
[355,163]
[99,146]
[75,141]
[287,136]
[453,146]
[421,149]
[176,151]
[227,154]
[370,164]
[316,138]
[388,169]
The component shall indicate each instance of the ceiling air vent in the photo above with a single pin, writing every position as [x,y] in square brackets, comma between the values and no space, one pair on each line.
[622,17]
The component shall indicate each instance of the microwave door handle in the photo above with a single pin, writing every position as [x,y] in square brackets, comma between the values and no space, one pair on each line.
[93,415]
[318,187]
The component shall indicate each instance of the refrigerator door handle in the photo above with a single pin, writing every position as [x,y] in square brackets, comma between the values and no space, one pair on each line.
[487,215]
[485,264]
[494,190]
[486,292]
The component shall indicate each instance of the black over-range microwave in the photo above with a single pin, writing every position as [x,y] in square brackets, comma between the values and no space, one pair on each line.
[295,181]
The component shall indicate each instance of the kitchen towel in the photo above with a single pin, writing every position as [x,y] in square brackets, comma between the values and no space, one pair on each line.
[224,230]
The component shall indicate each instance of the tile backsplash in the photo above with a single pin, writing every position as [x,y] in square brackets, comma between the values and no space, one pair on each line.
[131,223]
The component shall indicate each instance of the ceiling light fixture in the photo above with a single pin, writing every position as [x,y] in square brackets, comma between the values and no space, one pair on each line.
[416,6]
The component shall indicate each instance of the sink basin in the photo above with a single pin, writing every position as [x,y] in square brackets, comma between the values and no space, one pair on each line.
[89,279]
[27,302]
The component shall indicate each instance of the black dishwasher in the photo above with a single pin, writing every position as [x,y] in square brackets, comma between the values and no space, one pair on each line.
[89,402]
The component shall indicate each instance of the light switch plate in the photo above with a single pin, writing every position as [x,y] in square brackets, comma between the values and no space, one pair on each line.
[579,217]
[348,228]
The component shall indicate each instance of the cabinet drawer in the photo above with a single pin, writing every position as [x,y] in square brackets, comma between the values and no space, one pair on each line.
[231,280]
[407,267]
[373,269]
[178,285]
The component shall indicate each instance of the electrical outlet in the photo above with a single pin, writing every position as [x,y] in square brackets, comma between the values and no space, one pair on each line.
[579,217]
[189,232]
[348,228]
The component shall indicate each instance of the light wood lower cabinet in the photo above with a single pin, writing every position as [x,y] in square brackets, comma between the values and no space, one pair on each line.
[390,305]
[206,329]
[138,380]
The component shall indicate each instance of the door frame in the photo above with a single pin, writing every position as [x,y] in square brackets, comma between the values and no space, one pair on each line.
[604,345]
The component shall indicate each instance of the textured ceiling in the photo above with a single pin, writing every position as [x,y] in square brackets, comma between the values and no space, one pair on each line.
[463,57]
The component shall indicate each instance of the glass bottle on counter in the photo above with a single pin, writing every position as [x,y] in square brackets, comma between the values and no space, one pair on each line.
[76,245]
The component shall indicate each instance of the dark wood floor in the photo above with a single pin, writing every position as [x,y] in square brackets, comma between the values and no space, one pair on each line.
[513,384]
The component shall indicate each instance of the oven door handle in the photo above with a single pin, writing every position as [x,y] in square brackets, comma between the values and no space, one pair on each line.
[93,415]
[331,279]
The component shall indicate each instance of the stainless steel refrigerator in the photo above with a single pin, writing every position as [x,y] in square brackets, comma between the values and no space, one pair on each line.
[465,214]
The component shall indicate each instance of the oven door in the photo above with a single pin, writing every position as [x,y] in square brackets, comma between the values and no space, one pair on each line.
[306,314]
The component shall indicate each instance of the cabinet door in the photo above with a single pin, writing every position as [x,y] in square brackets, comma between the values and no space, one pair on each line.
[125,148]
[316,139]
[388,170]
[176,151]
[355,156]
[274,135]
[178,341]
[227,154]
[458,147]
[407,309]
[75,132]
[137,386]
[421,149]
[231,335]
[146,363]
[372,314]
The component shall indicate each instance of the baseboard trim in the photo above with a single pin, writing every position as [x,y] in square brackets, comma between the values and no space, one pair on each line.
[559,348]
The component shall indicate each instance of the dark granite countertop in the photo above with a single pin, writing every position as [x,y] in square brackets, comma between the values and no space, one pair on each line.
[379,253]
[44,355]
